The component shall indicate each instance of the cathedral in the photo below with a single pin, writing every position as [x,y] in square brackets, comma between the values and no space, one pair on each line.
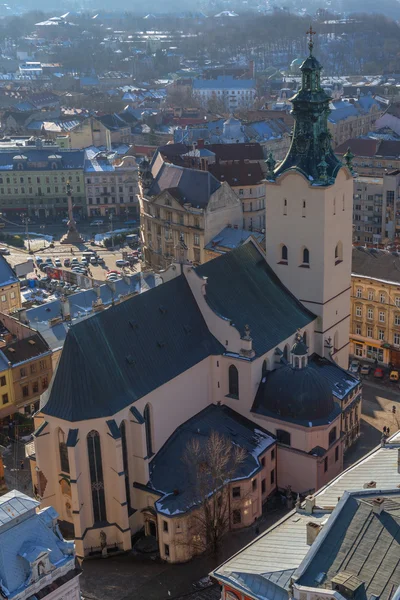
[252,345]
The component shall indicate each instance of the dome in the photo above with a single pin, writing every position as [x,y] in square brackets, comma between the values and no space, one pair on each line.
[301,394]
[311,64]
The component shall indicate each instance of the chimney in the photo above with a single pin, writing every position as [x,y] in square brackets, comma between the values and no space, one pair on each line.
[369,485]
[313,530]
[310,504]
[200,144]
[378,505]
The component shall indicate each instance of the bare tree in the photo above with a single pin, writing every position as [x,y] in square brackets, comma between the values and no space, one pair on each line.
[211,467]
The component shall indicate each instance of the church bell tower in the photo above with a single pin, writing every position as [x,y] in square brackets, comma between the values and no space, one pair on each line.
[309,201]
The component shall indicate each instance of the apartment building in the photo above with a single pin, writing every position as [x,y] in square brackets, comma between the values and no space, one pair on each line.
[111,185]
[231,93]
[372,157]
[375,299]
[34,181]
[351,117]
[10,289]
[368,210]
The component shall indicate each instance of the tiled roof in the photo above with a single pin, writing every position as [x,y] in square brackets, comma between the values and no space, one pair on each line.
[242,287]
[168,473]
[376,264]
[25,349]
[230,238]
[248,151]
[237,173]
[359,147]
[139,345]
[39,160]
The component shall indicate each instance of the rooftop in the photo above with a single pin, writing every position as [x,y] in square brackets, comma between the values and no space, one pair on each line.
[230,238]
[7,274]
[224,82]
[376,264]
[237,173]
[25,349]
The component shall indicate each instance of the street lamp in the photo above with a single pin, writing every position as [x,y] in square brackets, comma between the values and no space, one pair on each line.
[26,220]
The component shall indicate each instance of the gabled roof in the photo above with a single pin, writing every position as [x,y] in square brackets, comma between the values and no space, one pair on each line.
[376,264]
[25,349]
[242,287]
[7,274]
[119,355]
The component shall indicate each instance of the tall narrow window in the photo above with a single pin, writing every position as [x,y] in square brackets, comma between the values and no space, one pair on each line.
[306,256]
[149,433]
[233,381]
[125,462]
[284,206]
[338,253]
[303,214]
[334,206]
[284,254]
[96,477]
[63,450]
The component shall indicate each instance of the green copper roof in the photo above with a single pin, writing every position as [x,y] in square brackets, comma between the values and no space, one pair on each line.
[310,151]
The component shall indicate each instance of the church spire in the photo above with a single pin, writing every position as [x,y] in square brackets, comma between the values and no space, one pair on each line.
[310,151]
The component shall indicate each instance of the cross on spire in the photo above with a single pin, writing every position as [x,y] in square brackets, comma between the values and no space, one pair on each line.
[310,33]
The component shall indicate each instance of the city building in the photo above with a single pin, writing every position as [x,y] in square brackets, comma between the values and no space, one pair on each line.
[10,288]
[390,119]
[38,562]
[352,118]
[182,208]
[34,182]
[372,156]
[30,367]
[226,91]
[375,297]
[111,185]
[368,210]
[265,341]
[247,181]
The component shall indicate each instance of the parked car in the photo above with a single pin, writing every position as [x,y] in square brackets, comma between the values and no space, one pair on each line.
[113,271]
[49,260]
[122,263]
[38,260]
[57,262]
[378,373]
[74,261]
[354,366]
[97,222]
[4,251]
[93,260]
[365,370]
[394,375]
[67,262]
[101,260]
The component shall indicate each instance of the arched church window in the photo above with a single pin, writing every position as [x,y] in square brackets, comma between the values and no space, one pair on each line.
[303,214]
[149,432]
[63,451]
[125,462]
[306,256]
[285,206]
[338,253]
[284,253]
[96,477]
[233,381]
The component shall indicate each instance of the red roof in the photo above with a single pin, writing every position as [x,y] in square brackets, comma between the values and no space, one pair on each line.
[359,147]
[237,173]
[252,151]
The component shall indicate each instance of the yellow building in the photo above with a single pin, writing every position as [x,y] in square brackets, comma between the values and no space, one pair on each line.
[375,313]
[10,293]
[6,388]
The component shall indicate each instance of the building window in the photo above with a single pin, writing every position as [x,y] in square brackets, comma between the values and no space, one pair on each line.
[149,434]
[325,464]
[358,311]
[284,254]
[283,437]
[45,383]
[370,314]
[397,301]
[125,462]
[381,316]
[63,450]
[397,319]
[3,380]
[5,398]
[336,453]
[165,526]
[196,239]
[272,477]
[254,485]
[35,387]
[233,381]
[236,516]
[357,329]
[382,297]
[96,477]
[338,253]
[396,339]
[359,293]
[263,486]
[285,206]
[166,549]
[332,435]
[22,372]
[370,332]
[236,492]
[42,365]
[25,391]
[273,454]
[306,256]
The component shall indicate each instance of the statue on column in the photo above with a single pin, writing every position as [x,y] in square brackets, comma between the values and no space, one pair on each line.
[72,236]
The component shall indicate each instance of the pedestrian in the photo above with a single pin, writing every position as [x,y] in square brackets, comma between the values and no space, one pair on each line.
[21,465]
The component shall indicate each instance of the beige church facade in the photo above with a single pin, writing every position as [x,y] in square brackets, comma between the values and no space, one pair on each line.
[250,345]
